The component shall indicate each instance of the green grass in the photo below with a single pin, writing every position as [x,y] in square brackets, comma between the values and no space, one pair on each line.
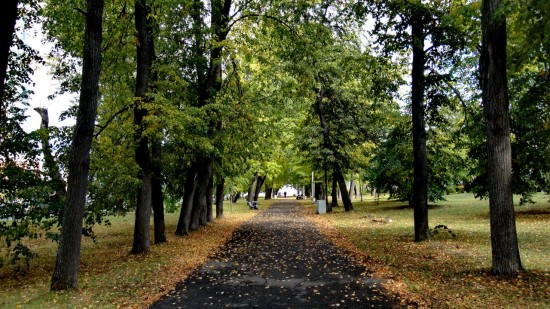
[109,276]
[454,271]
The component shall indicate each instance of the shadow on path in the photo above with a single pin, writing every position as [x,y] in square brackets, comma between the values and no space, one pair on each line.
[279,259]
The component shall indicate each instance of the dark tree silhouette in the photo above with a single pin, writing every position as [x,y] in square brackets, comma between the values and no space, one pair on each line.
[494,85]
[65,275]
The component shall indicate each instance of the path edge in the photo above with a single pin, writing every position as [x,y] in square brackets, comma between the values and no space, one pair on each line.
[395,287]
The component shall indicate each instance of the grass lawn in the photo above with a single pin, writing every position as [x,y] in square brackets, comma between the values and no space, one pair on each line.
[109,276]
[453,271]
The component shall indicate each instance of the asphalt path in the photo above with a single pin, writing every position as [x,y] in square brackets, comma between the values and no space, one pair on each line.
[279,259]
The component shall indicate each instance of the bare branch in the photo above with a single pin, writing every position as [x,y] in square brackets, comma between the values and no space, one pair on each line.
[103,127]
[82,11]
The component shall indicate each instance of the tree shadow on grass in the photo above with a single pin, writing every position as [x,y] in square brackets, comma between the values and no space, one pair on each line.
[537,212]
[407,206]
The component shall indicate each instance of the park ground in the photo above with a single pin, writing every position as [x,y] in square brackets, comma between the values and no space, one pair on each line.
[450,270]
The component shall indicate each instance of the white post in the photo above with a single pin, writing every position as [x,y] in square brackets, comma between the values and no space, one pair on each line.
[313,186]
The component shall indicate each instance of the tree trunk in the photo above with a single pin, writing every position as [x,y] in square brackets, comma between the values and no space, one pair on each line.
[51,166]
[157,196]
[420,184]
[7,24]
[348,206]
[259,184]
[145,52]
[199,212]
[319,191]
[141,241]
[236,197]
[209,192]
[184,220]
[65,275]
[334,202]
[353,188]
[268,192]
[361,190]
[219,198]
[252,189]
[494,84]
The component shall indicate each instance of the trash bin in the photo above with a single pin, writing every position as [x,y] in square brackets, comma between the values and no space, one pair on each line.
[321,206]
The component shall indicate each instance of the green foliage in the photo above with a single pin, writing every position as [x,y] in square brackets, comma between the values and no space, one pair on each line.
[529,96]
[391,168]
[25,193]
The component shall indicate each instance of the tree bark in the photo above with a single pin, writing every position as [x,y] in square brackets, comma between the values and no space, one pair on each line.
[494,85]
[199,212]
[259,184]
[420,184]
[361,190]
[319,194]
[184,220]
[353,188]
[236,197]
[209,192]
[145,52]
[252,189]
[7,24]
[65,275]
[141,241]
[268,192]
[219,198]
[334,202]
[348,206]
[51,166]
[157,196]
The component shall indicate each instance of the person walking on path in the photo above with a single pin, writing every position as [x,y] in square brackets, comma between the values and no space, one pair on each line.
[279,259]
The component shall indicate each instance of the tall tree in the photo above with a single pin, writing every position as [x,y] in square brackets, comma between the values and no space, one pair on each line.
[420,184]
[433,31]
[208,70]
[51,166]
[494,85]
[325,93]
[145,54]
[65,275]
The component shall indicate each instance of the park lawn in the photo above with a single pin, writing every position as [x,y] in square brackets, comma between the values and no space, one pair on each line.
[451,271]
[110,277]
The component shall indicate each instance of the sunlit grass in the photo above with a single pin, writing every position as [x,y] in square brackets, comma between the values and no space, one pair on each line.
[453,271]
[109,275]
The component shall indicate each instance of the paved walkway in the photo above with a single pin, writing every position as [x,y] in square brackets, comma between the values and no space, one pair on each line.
[279,260]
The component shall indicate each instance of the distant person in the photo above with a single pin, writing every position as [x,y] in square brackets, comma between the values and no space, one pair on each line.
[285,193]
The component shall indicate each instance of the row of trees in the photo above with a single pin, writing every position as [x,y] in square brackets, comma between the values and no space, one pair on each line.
[184,100]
